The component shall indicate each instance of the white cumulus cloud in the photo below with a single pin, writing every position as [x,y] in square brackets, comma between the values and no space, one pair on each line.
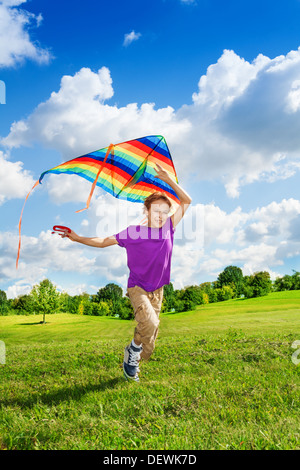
[15,182]
[15,42]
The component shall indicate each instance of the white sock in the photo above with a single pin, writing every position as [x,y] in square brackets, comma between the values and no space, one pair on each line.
[135,345]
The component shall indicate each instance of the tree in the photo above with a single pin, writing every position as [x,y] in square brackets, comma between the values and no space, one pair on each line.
[213,295]
[192,296]
[296,280]
[3,303]
[226,293]
[283,283]
[169,298]
[179,305]
[87,307]
[23,304]
[287,282]
[111,293]
[101,309]
[220,294]
[70,304]
[45,298]
[125,310]
[231,276]
[257,285]
[206,287]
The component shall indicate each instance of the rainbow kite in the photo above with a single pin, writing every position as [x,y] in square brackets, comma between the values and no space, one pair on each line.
[125,170]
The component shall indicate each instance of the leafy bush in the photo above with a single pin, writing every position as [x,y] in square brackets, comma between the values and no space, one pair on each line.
[124,309]
[231,276]
[188,305]
[87,307]
[178,305]
[257,285]
[221,294]
[23,305]
[287,282]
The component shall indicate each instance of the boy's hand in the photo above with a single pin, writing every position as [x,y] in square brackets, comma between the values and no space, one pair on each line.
[71,235]
[66,232]
[162,174]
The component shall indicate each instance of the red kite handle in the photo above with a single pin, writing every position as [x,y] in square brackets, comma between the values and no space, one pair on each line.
[61,228]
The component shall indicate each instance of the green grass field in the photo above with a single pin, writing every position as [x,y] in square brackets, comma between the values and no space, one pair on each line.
[221,377]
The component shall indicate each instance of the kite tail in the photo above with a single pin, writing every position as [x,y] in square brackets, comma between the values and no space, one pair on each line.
[96,179]
[20,222]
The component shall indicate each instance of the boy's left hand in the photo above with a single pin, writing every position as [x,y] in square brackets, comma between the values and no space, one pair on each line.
[162,174]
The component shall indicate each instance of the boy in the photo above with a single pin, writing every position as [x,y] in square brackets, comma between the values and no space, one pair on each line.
[149,250]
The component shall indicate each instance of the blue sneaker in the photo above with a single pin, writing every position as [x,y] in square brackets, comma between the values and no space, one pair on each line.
[132,356]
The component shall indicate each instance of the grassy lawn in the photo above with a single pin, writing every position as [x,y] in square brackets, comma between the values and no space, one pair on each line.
[221,377]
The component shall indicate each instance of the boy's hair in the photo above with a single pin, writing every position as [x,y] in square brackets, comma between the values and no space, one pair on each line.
[154,197]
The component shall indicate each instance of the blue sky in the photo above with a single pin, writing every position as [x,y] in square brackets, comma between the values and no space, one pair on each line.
[220,80]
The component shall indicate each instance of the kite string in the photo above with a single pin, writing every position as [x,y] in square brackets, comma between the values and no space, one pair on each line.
[20,222]
[96,179]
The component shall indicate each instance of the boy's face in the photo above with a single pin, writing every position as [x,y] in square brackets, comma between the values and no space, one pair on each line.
[158,213]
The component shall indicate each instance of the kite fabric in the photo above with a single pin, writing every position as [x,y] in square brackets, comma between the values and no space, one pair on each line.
[125,170]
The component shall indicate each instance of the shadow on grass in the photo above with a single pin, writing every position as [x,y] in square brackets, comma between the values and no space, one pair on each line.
[64,394]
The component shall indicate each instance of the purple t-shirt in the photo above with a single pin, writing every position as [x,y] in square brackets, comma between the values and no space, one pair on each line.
[149,252]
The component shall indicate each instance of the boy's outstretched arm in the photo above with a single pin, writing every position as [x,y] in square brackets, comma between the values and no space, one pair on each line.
[94,241]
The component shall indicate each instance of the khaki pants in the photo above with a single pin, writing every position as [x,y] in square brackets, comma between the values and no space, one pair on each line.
[146,306]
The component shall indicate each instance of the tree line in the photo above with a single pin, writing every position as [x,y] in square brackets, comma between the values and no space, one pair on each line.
[109,301]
